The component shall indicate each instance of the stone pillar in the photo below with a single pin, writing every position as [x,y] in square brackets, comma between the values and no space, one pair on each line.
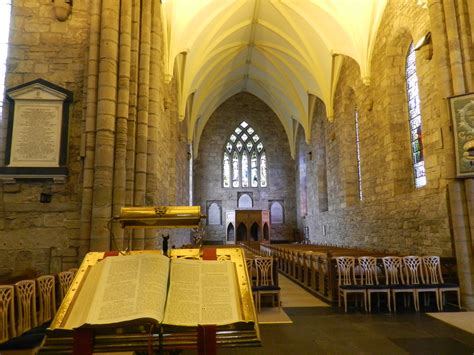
[462,210]
[132,109]
[142,116]
[105,127]
[448,26]
[88,142]
[123,97]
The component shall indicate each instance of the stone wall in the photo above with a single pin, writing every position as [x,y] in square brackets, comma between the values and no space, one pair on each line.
[208,165]
[33,235]
[45,238]
[393,215]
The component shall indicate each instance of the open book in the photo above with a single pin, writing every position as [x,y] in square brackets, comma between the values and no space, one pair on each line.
[154,288]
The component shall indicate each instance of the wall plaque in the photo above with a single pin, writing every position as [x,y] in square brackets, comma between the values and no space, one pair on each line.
[37,135]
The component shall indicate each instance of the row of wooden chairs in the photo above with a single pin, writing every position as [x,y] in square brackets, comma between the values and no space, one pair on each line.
[409,275]
[18,303]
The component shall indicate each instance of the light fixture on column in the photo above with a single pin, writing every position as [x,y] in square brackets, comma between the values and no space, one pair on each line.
[62,9]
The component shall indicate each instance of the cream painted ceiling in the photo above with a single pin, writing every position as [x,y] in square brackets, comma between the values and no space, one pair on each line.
[286,52]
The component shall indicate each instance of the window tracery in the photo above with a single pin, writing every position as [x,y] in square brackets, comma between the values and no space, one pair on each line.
[249,161]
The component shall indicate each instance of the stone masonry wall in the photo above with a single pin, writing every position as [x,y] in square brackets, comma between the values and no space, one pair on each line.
[33,235]
[208,165]
[44,238]
[393,216]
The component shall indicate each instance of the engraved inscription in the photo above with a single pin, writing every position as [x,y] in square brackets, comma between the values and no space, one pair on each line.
[36,134]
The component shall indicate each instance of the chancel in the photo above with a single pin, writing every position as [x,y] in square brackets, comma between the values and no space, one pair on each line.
[327,142]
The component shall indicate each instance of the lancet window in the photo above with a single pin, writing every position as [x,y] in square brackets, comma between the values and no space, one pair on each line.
[244,161]
[5,14]
[414,118]
[357,141]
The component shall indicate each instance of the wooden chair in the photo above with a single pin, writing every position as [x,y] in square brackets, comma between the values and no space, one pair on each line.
[25,292]
[7,313]
[433,276]
[393,266]
[369,278]
[65,281]
[414,276]
[47,298]
[346,280]
[265,283]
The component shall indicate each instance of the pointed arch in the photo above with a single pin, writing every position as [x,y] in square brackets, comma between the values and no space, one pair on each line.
[244,160]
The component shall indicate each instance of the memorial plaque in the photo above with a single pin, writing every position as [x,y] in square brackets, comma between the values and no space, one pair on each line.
[462,114]
[37,137]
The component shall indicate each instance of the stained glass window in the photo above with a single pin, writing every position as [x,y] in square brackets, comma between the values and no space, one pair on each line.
[414,118]
[245,169]
[5,14]
[357,141]
[244,160]
[226,170]
[263,170]
[235,170]
[254,170]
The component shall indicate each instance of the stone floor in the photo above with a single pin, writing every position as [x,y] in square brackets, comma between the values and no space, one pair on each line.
[328,330]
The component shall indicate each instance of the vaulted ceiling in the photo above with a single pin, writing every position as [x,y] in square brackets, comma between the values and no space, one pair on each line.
[286,52]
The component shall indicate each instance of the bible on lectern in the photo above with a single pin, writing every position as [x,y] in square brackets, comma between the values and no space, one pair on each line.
[154,288]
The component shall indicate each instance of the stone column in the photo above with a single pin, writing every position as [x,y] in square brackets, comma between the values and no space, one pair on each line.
[142,116]
[462,210]
[123,97]
[448,47]
[132,109]
[89,128]
[154,109]
[105,126]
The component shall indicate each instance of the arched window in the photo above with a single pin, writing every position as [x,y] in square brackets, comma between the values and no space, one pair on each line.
[5,14]
[357,141]
[244,162]
[414,119]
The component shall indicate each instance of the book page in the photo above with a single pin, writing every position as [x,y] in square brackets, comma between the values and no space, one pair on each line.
[130,287]
[202,292]
[82,303]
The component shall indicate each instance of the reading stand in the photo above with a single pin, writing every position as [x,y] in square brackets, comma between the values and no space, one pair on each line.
[145,337]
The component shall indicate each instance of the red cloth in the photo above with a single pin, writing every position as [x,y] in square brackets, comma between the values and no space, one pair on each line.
[209,254]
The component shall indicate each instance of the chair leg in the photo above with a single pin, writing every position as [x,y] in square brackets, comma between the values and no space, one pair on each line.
[369,301]
[394,302]
[345,302]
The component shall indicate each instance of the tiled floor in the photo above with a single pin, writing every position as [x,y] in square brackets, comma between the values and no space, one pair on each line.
[328,330]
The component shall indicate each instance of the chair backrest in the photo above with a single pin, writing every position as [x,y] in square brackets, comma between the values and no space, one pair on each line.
[413,270]
[26,305]
[249,263]
[7,313]
[368,270]
[47,298]
[393,270]
[65,281]
[432,269]
[264,271]
[345,270]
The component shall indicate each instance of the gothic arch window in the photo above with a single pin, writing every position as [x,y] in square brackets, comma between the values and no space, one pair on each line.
[414,119]
[5,15]
[244,161]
